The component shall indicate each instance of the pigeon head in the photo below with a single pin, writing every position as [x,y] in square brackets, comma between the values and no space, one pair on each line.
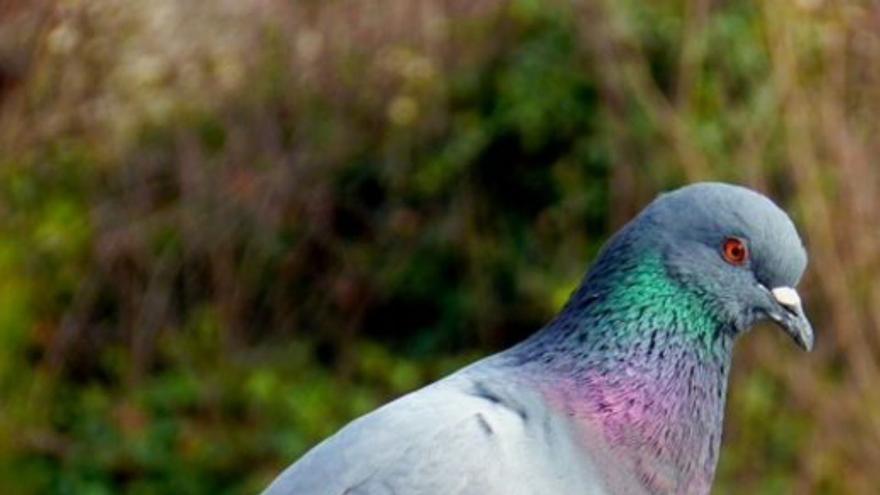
[733,247]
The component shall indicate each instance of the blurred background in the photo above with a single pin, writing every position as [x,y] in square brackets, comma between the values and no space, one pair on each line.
[227,228]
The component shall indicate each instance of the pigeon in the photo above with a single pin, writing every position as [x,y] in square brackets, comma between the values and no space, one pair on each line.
[622,392]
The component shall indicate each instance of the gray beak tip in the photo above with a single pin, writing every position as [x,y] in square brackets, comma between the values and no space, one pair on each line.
[805,338]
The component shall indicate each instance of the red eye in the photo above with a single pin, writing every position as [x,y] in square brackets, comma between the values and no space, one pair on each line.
[735,251]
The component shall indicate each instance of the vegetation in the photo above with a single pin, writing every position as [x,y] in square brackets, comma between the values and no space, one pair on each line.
[227,228]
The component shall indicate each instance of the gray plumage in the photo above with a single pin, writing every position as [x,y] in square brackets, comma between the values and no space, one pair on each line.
[623,392]
[472,433]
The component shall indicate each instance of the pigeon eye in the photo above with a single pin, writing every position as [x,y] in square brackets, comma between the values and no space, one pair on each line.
[735,251]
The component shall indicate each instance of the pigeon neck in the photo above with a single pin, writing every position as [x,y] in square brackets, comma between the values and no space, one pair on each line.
[645,362]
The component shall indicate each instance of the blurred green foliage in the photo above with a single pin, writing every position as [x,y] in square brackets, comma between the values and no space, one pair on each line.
[219,244]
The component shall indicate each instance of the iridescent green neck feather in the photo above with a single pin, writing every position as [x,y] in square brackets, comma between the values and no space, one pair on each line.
[633,307]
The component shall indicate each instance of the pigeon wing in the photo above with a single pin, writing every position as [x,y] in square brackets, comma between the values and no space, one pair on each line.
[463,435]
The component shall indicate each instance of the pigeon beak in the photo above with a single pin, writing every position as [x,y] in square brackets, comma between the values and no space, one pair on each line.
[791,316]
